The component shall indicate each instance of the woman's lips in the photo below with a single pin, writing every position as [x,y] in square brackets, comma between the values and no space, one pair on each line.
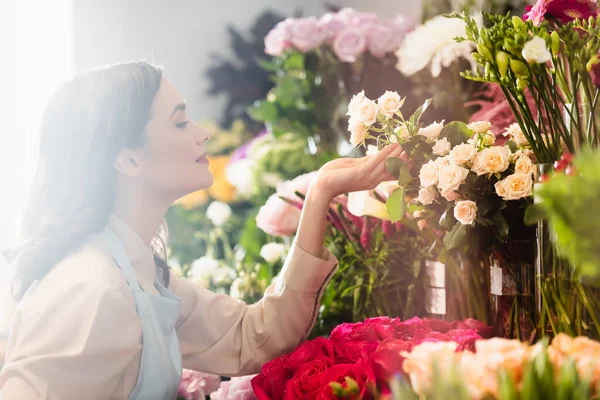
[202,160]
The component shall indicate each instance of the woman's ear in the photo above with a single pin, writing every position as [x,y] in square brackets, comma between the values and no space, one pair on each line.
[128,163]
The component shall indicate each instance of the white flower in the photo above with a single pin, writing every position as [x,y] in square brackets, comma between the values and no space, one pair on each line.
[491,161]
[515,186]
[223,274]
[427,195]
[272,252]
[355,101]
[175,267]
[372,149]
[465,212]
[234,290]
[516,135]
[536,51]
[451,177]
[362,203]
[449,194]
[462,154]
[239,174]
[358,131]
[524,165]
[218,213]
[433,44]
[480,126]
[432,132]
[401,133]
[203,268]
[487,138]
[441,147]
[366,112]
[389,103]
[271,179]
[429,174]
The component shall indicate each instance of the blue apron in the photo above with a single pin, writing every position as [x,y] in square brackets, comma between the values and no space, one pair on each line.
[160,364]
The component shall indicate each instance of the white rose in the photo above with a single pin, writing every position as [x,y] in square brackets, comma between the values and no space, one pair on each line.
[366,112]
[491,161]
[516,135]
[218,213]
[441,147]
[429,174]
[480,126]
[536,51]
[358,131]
[401,133]
[465,212]
[355,101]
[462,154]
[451,177]
[389,103]
[515,186]
[203,267]
[524,165]
[441,162]
[372,149]
[432,132]
[449,194]
[272,252]
[427,195]
[487,138]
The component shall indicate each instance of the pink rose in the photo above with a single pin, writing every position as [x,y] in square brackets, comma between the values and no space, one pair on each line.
[386,360]
[465,338]
[307,34]
[353,332]
[437,325]
[299,184]
[349,44]
[382,38]
[239,388]
[352,352]
[278,39]
[333,24]
[196,385]
[278,218]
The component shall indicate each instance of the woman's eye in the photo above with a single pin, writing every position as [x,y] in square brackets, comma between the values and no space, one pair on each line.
[182,125]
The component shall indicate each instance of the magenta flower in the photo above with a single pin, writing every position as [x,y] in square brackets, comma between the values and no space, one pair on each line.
[563,10]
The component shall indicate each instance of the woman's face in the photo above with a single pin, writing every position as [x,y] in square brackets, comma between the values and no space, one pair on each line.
[173,160]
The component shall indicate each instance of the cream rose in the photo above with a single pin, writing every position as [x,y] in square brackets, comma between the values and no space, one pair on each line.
[355,102]
[465,212]
[427,195]
[480,126]
[441,147]
[401,133]
[429,174]
[462,154]
[432,132]
[389,103]
[536,51]
[524,165]
[491,161]
[366,112]
[516,135]
[515,186]
[487,138]
[358,131]
[418,364]
[451,177]
[449,194]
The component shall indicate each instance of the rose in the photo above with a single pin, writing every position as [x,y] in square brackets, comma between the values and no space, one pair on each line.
[366,112]
[437,325]
[238,388]
[355,102]
[349,44]
[299,184]
[462,153]
[480,126]
[427,335]
[449,194]
[271,382]
[524,165]
[515,186]
[451,177]
[386,360]
[352,352]
[278,39]
[427,195]
[307,34]
[383,37]
[332,24]
[432,131]
[389,103]
[465,212]
[516,135]
[583,350]
[357,332]
[429,174]
[306,382]
[479,380]
[361,374]
[277,217]
[272,252]
[487,138]
[218,213]
[196,385]
[536,51]
[401,133]
[309,350]
[481,328]
[441,147]
[358,131]
[418,364]
[465,338]
[383,326]
[565,11]
[491,161]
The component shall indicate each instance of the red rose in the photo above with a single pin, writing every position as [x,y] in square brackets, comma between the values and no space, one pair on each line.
[385,327]
[306,382]
[407,329]
[361,373]
[354,332]
[351,352]
[424,336]
[482,329]
[465,338]
[437,325]
[270,383]
[386,360]
[309,350]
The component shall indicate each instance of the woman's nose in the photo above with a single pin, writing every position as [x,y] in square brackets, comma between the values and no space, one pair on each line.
[201,135]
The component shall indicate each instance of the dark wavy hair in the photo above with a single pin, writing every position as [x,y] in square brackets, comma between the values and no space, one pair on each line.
[85,125]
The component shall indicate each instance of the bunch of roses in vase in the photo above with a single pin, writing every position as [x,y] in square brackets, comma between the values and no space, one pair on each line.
[465,194]
[357,360]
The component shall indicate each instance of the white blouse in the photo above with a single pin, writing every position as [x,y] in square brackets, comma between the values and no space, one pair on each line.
[76,334]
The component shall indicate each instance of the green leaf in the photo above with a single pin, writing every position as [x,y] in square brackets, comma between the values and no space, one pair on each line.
[456,132]
[533,214]
[500,224]
[294,60]
[506,387]
[447,220]
[396,205]
[456,238]
[393,165]
[287,91]
[414,119]
[405,178]
[263,111]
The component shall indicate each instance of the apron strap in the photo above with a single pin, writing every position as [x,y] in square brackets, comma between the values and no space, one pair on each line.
[118,252]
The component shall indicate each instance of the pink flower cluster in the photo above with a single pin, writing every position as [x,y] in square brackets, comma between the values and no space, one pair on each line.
[196,385]
[349,33]
[239,388]
[368,352]
[564,11]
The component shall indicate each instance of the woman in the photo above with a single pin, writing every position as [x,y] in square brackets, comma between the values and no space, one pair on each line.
[100,316]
